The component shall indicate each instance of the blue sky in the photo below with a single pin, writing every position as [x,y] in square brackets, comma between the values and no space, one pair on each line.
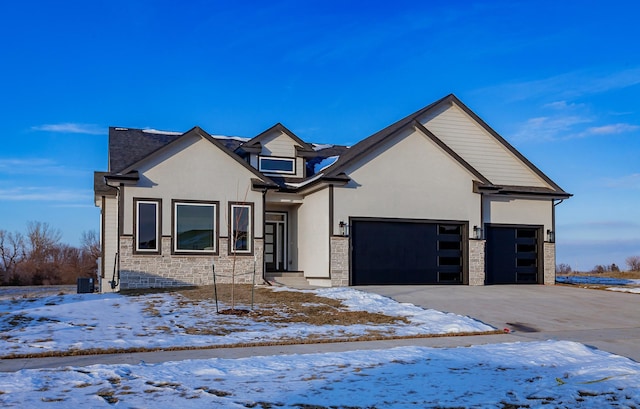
[560,80]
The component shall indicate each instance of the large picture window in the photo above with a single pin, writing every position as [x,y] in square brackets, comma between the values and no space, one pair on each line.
[147,225]
[277,165]
[195,227]
[241,229]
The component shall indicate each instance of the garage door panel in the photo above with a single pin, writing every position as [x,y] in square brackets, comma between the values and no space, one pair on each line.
[405,252]
[512,255]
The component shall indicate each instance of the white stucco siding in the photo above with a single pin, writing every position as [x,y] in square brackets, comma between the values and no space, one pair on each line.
[410,177]
[194,169]
[109,233]
[313,235]
[479,148]
[502,210]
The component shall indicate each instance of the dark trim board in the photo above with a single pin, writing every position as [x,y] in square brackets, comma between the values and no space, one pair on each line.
[390,251]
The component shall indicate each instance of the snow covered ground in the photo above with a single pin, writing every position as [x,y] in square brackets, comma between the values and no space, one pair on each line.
[550,374]
[622,284]
[164,320]
[537,374]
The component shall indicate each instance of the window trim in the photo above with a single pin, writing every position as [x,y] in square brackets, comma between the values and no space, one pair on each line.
[231,250]
[136,225]
[174,226]
[277,158]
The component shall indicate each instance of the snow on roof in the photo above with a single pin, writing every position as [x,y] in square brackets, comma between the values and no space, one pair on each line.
[158,132]
[304,183]
[321,146]
[325,163]
[235,138]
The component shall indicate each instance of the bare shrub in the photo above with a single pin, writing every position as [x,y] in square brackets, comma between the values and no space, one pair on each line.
[633,262]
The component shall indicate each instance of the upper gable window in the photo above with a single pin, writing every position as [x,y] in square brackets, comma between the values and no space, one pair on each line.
[272,164]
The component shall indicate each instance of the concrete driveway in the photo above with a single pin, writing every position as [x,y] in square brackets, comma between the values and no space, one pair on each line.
[606,320]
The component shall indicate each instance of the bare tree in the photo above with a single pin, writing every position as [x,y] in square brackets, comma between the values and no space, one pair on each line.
[633,262]
[12,252]
[563,269]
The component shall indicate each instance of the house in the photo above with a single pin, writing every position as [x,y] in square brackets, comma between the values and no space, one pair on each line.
[435,198]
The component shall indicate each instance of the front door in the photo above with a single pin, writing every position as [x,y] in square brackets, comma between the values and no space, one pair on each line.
[275,249]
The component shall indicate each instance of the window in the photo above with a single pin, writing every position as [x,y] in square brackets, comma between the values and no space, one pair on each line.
[195,227]
[147,225]
[240,231]
[277,165]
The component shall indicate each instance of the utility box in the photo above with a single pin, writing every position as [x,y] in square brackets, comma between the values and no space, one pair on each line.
[85,285]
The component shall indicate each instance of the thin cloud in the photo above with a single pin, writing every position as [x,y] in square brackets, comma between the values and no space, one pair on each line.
[568,85]
[70,127]
[631,181]
[44,194]
[611,129]
[548,128]
[30,166]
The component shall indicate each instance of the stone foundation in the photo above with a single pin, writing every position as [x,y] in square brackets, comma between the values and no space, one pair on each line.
[339,268]
[477,272]
[170,270]
[549,263]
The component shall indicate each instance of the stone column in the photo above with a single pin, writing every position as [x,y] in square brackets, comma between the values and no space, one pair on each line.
[339,266]
[477,272]
[549,263]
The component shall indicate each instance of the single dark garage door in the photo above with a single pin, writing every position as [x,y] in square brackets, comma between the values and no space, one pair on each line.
[406,252]
[512,255]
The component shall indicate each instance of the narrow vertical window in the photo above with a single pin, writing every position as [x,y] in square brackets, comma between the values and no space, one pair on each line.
[241,220]
[147,229]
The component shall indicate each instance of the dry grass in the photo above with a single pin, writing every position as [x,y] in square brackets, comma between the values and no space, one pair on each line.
[278,307]
[612,274]
[289,306]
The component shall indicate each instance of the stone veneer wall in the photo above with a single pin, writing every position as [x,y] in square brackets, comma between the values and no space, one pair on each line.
[170,270]
[477,272]
[339,261]
[549,263]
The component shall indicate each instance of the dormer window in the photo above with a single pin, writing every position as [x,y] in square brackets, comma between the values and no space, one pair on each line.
[271,164]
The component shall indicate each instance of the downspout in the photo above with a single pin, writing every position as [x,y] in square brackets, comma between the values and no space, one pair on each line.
[115,279]
[264,218]
[553,214]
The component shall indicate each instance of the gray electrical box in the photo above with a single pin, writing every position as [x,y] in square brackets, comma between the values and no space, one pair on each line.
[85,285]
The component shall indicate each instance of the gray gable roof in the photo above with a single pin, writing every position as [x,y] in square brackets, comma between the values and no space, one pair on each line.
[127,146]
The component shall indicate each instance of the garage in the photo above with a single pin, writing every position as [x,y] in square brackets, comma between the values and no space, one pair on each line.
[392,252]
[512,254]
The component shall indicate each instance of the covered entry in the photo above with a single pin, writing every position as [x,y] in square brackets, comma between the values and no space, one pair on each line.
[513,254]
[394,251]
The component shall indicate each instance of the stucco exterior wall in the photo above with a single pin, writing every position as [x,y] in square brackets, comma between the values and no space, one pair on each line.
[193,169]
[410,177]
[313,235]
[502,210]
[167,270]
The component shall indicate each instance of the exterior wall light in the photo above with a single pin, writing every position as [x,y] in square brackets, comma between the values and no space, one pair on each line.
[477,232]
[344,228]
[551,236]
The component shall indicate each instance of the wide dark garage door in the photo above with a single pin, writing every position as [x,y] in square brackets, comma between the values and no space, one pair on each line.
[406,252]
[512,255]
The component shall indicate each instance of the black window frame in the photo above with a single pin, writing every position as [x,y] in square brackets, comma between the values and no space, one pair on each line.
[136,226]
[250,232]
[277,158]
[174,226]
